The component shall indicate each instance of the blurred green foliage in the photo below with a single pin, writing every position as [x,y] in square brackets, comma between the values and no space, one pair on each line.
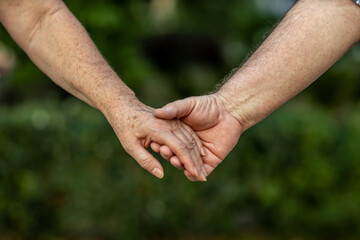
[64,175]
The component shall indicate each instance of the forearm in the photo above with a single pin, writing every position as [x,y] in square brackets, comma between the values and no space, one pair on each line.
[309,40]
[57,43]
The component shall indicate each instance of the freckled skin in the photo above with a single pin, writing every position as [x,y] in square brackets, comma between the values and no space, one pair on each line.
[137,126]
[311,38]
[59,45]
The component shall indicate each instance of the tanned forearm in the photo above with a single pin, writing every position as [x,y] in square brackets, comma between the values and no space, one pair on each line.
[309,40]
[57,43]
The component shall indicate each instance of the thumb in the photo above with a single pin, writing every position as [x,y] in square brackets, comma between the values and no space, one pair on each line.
[147,161]
[177,109]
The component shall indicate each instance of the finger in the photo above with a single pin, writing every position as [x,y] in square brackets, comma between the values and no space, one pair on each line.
[199,146]
[146,160]
[176,163]
[197,140]
[178,147]
[189,176]
[184,136]
[155,147]
[174,160]
[165,152]
[208,169]
[194,149]
[177,109]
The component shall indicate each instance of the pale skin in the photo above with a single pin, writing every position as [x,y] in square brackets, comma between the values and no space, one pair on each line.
[58,44]
[308,41]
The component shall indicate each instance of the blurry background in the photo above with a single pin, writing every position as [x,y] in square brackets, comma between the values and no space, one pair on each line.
[64,175]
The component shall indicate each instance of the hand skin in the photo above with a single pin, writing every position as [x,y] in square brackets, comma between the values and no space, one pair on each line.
[310,39]
[57,43]
[136,127]
[218,130]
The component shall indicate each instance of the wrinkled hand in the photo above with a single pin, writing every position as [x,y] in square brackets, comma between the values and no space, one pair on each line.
[136,127]
[217,129]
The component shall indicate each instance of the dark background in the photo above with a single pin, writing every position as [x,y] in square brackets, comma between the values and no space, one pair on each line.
[64,175]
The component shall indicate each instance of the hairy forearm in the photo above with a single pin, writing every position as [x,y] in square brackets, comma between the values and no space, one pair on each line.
[57,43]
[308,41]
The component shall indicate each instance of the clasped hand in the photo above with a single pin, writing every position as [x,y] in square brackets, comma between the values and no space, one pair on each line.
[194,134]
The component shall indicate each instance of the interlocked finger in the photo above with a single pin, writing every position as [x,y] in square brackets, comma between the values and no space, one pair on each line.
[186,137]
[174,160]
[167,154]
[155,147]
[196,138]
[178,147]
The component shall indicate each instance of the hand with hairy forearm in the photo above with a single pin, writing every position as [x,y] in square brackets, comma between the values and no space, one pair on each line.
[310,39]
[57,43]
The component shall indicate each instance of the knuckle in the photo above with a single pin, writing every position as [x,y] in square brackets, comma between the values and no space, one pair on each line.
[191,144]
[182,146]
[165,156]
[146,163]
[194,135]
[174,125]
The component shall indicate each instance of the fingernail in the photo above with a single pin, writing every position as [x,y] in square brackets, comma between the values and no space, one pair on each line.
[158,173]
[203,177]
[203,170]
[203,152]
[196,172]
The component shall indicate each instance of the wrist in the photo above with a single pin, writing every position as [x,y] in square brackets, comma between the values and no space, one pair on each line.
[118,103]
[108,93]
[245,104]
[235,110]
